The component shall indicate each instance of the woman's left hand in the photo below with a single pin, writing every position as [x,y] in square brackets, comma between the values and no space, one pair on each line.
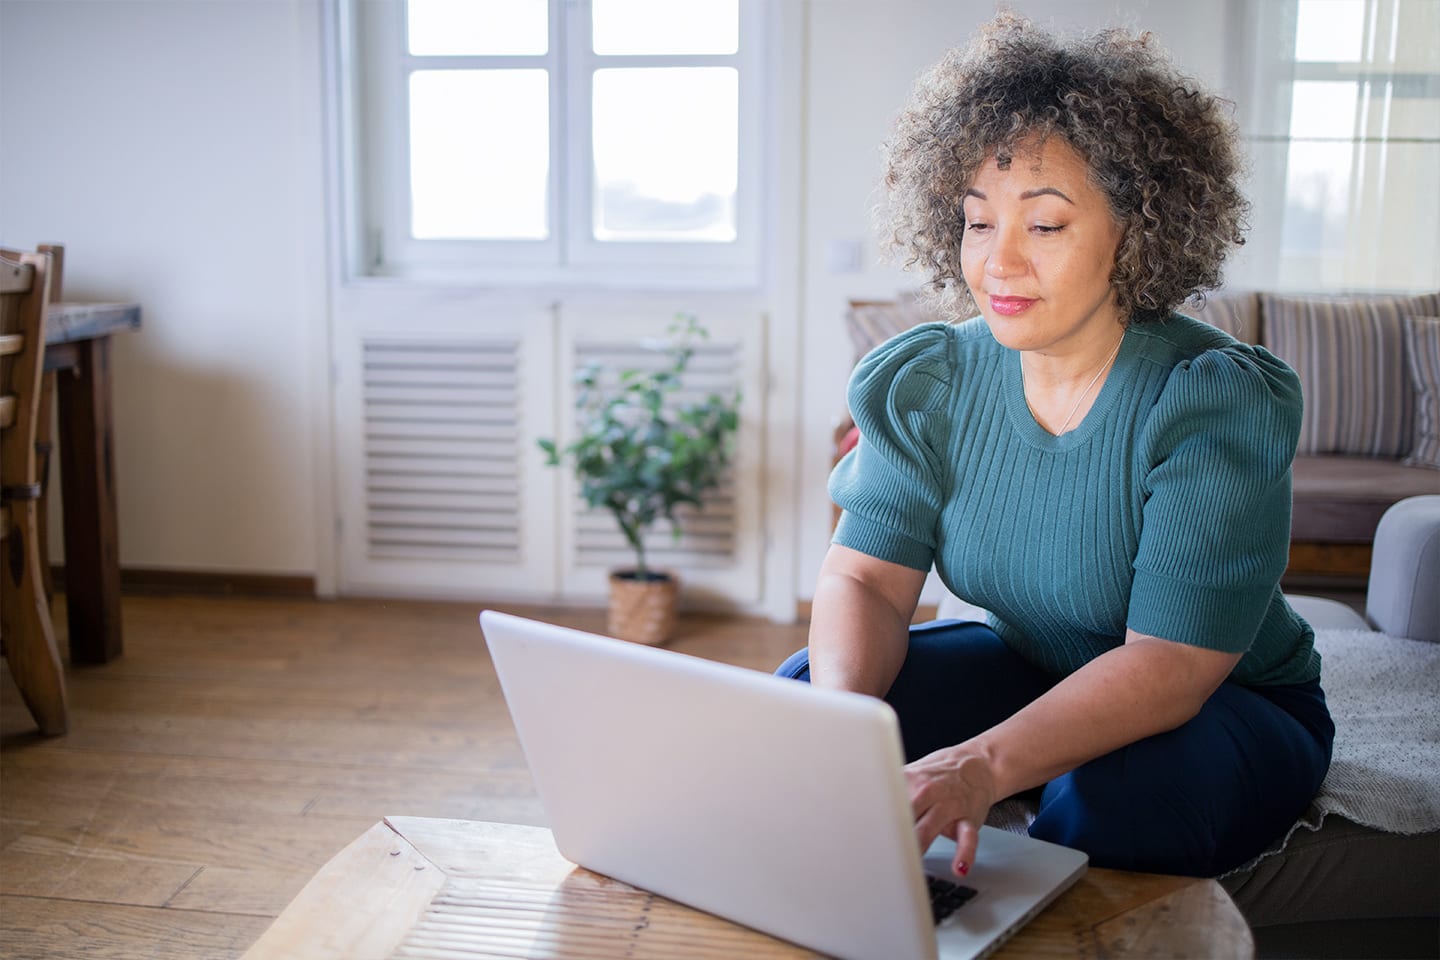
[951,792]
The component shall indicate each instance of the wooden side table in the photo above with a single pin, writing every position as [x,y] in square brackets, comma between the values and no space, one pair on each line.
[421,888]
[77,352]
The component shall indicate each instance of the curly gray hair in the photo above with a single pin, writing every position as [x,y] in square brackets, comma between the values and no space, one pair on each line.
[1163,151]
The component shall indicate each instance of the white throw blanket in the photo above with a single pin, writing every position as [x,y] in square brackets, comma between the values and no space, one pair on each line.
[1384,695]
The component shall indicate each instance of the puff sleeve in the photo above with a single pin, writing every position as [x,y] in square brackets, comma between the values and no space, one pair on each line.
[1215,460]
[891,485]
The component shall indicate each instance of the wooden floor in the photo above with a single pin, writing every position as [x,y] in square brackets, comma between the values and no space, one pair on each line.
[238,744]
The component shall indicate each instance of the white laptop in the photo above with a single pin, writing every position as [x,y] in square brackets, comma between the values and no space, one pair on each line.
[769,802]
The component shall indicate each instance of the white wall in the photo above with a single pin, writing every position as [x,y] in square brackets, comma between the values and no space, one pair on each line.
[174,147]
[864,57]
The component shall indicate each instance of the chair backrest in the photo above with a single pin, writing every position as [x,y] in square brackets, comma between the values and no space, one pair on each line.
[24,299]
[57,269]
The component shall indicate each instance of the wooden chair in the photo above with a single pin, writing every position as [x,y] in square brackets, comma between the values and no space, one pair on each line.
[25,629]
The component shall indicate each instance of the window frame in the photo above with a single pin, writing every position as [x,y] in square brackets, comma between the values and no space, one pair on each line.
[569,257]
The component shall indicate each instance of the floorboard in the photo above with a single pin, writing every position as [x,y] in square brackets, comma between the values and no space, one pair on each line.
[239,744]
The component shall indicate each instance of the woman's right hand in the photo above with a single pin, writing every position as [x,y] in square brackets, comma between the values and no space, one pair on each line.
[951,792]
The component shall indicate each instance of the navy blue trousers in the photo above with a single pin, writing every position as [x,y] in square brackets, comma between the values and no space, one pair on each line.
[1198,800]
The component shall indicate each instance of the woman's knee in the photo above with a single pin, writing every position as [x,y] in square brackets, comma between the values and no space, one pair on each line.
[796,666]
[958,678]
[935,651]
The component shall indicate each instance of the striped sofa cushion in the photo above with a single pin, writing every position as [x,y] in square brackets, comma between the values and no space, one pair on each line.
[1238,314]
[1422,346]
[1350,356]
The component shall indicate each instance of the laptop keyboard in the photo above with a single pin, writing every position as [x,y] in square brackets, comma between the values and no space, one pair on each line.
[946,897]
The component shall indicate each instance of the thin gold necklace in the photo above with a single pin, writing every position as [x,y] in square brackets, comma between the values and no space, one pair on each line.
[1085,393]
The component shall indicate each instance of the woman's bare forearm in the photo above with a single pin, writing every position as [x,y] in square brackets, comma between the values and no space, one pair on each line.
[1136,690]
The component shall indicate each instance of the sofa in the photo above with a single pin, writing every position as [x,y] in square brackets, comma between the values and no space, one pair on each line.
[1359,874]
[1369,368]
[1370,371]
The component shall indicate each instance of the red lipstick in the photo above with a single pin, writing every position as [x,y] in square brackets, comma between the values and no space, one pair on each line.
[1010,306]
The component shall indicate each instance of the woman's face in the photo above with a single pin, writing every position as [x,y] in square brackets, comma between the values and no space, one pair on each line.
[1038,249]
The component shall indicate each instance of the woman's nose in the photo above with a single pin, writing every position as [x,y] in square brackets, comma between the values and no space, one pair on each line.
[1007,257]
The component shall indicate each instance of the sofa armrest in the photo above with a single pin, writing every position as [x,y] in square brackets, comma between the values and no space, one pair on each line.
[1403,600]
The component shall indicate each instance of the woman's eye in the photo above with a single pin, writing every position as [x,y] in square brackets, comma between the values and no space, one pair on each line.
[1047,228]
[976,225]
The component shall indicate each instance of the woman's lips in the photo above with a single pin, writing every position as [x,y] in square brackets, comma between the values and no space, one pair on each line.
[1010,306]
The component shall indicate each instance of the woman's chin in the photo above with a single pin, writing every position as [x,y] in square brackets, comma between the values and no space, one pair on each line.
[1011,332]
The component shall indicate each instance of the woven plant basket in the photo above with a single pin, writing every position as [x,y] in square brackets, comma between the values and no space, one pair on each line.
[643,611]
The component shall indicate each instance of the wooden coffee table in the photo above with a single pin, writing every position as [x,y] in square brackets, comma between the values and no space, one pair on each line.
[421,888]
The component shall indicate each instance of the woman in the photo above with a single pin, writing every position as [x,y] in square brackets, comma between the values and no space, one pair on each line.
[1109,479]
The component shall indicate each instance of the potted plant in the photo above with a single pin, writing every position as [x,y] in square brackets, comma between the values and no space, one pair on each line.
[640,453]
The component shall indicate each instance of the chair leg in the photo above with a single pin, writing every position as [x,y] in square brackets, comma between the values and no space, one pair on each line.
[25,620]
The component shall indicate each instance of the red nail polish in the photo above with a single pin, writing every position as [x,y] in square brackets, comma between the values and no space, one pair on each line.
[963,869]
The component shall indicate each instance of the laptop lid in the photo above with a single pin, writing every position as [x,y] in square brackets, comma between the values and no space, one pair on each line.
[774,804]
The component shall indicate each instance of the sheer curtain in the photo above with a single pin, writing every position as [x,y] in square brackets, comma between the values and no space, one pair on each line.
[1340,108]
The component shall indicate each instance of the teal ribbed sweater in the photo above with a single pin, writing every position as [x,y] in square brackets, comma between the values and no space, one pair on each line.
[1167,510]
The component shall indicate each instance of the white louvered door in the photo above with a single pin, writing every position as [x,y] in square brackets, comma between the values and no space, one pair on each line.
[441,488]
[442,479]
[443,492]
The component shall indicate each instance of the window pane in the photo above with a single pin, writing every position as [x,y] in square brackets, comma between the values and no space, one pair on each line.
[1417,24]
[1406,107]
[1323,109]
[478,27]
[479,153]
[666,153]
[1329,30]
[665,26]
[1317,200]
[1398,213]
[1360,216]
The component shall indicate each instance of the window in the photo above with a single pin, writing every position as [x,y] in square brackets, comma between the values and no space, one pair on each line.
[1344,128]
[609,142]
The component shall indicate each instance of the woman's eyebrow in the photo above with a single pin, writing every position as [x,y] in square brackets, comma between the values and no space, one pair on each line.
[1027,195]
[1040,191]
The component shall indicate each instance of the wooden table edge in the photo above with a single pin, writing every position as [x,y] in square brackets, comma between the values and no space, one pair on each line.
[404,861]
[70,320]
[400,883]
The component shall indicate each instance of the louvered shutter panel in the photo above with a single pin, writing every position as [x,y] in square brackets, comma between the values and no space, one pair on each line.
[443,490]
[442,457]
